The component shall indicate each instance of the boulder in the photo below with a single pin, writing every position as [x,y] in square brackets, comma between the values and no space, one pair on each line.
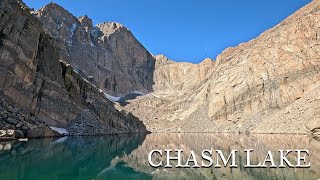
[40,133]
[19,134]
[12,121]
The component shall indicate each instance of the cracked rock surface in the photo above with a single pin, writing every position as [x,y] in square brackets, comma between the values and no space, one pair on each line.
[267,85]
[38,90]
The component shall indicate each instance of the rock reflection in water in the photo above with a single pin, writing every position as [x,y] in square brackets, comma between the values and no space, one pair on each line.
[70,158]
[138,159]
[126,157]
[5,146]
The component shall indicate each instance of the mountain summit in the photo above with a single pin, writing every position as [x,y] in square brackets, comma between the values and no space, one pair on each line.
[107,54]
[42,95]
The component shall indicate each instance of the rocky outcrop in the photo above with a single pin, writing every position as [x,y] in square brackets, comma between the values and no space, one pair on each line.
[34,79]
[108,55]
[285,119]
[177,76]
[21,121]
[249,88]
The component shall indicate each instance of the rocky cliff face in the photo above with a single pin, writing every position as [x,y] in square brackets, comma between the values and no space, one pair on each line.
[177,76]
[107,54]
[36,84]
[258,86]
[267,85]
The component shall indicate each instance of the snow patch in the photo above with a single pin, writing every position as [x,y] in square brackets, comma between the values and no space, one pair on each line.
[112,98]
[76,70]
[62,131]
[155,95]
[86,80]
[138,92]
[73,28]
[86,29]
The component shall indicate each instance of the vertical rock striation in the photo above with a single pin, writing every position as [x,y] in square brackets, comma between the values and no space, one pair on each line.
[108,55]
[59,68]
[34,78]
[258,86]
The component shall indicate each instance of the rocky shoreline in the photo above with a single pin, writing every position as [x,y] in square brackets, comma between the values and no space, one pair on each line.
[19,123]
[23,123]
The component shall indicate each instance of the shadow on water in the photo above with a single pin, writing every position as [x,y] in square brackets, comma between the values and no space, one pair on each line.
[70,158]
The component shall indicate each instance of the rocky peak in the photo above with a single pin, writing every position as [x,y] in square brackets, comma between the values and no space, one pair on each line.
[58,22]
[110,27]
[33,74]
[207,61]
[108,54]
[85,21]
[56,11]
[160,56]
[162,59]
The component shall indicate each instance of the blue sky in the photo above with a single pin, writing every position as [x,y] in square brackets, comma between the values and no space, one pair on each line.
[185,30]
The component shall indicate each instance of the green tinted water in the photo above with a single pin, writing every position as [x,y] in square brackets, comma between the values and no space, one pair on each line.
[126,157]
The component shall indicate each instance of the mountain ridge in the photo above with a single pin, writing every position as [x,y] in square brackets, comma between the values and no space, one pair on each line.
[39,91]
[246,84]
[108,53]
[258,86]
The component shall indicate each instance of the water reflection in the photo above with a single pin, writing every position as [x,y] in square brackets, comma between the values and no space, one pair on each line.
[226,142]
[5,146]
[125,157]
[69,158]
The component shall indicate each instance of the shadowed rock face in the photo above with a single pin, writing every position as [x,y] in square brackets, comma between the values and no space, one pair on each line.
[258,86]
[36,81]
[106,54]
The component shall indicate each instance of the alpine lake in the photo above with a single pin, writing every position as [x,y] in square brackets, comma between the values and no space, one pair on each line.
[126,157]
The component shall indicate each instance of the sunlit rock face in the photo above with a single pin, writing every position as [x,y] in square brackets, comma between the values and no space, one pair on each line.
[268,84]
[171,76]
[107,54]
